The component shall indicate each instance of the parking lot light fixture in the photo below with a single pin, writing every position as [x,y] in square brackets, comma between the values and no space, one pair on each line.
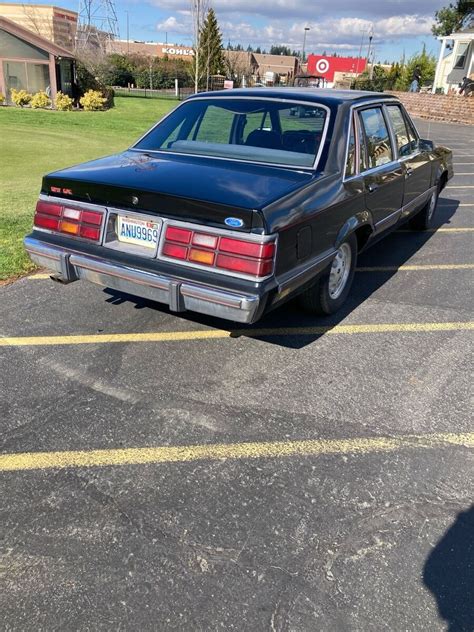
[306,29]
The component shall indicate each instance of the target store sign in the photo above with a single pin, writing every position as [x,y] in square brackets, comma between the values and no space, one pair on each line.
[325,65]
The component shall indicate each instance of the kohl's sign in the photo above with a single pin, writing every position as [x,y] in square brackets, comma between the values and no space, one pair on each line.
[177,51]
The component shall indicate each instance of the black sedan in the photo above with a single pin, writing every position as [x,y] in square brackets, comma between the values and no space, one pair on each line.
[230,205]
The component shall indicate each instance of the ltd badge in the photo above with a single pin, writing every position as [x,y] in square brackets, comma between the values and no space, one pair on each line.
[234,222]
[134,200]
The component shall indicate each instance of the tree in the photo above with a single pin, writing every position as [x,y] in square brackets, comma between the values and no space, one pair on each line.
[451,18]
[211,57]
[280,50]
[198,11]
[424,63]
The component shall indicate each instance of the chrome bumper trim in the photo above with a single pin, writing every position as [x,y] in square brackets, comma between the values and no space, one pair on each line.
[177,294]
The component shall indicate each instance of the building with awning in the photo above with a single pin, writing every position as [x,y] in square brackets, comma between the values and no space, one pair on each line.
[30,62]
[456,60]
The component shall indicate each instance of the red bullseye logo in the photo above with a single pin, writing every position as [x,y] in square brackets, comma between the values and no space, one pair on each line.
[322,66]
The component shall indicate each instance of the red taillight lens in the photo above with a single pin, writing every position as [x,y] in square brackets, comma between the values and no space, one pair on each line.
[255,267]
[181,235]
[247,248]
[175,251]
[43,221]
[244,256]
[88,232]
[91,217]
[47,208]
[71,221]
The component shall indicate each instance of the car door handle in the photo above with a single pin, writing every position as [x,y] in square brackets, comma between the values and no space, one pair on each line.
[372,187]
[408,171]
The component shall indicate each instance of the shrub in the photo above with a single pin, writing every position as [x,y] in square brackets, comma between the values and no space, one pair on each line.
[93,100]
[40,100]
[2,99]
[21,97]
[63,102]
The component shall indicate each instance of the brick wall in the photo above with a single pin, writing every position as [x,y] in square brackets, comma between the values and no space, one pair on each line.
[439,107]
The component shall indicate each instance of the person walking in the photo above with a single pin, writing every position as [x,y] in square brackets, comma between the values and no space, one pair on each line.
[415,81]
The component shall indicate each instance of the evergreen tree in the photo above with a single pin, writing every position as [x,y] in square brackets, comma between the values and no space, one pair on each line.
[211,57]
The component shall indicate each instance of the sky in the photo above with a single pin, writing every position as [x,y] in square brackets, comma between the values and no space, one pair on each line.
[399,26]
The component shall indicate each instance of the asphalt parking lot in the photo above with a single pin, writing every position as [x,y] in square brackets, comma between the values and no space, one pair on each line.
[163,472]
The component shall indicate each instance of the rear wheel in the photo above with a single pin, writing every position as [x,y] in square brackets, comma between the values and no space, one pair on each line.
[332,289]
[424,219]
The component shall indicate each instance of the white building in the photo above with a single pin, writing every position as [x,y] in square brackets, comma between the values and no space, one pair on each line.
[456,64]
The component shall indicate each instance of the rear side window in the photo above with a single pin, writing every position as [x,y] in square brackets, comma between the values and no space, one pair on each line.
[351,153]
[403,130]
[399,129]
[379,148]
[412,135]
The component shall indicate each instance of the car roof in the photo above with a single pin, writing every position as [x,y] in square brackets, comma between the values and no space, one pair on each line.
[326,96]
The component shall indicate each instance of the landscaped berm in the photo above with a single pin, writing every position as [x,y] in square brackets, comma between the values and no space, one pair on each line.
[35,142]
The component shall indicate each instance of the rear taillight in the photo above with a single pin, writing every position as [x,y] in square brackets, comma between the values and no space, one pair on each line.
[69,220]
[243,256]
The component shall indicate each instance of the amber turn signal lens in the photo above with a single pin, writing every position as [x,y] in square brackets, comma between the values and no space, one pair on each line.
[201,256]
[69,227]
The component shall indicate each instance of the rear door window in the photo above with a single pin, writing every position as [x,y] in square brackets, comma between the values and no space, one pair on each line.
[400,130]
[379,147]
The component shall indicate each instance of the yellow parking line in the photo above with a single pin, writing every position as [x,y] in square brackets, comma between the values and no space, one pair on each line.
[254,450]
[460,266]
[420,268]
[438,230]
[207,334]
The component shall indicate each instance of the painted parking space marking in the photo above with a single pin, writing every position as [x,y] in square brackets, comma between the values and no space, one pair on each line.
[436,230]
[417,267]
[455,266]
[229,451]
[210,334]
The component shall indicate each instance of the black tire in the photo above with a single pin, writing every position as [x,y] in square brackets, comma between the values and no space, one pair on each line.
[424,218]
[318,299]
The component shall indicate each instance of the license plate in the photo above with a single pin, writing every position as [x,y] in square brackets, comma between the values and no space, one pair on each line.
[138,232]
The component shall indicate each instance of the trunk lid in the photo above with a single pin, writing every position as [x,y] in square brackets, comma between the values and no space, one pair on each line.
[181,187]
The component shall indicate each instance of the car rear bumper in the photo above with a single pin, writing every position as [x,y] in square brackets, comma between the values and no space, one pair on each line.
[178,294]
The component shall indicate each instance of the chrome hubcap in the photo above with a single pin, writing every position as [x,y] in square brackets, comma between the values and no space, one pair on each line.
[432,206]
[340,269]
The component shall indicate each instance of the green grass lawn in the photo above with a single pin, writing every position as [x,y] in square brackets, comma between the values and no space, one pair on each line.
[35,142]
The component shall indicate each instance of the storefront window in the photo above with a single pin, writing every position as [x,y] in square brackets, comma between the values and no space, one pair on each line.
[14,47]
[22,75]
[15,76]
[38,78]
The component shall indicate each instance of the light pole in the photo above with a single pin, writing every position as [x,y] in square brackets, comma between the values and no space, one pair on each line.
[306,29]
[128,35]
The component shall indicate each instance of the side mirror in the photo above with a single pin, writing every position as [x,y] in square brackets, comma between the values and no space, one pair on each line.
[426,145]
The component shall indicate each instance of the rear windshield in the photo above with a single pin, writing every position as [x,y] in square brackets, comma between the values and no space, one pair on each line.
[253,130]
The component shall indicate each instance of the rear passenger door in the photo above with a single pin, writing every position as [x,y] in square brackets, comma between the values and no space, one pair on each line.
[415,162]
[383,175]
